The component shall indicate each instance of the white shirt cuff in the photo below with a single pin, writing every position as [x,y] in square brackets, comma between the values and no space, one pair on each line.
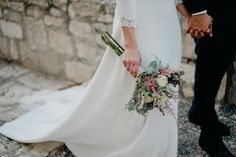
[199,13]
[178,2]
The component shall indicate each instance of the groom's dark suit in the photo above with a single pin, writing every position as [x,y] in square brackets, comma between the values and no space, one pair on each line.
[214,56]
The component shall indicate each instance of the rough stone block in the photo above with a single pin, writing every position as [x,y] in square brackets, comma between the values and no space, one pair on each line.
[4,48]
[56,12]
[189,70]
[17,6]
[107,18]
[79,29]
[188,47]
[12,16]
[53,21]
[71,11]
[62,4]
[50,62]
[3,4]
[36,33]
[60,42]
[187,90]
[84,9]
[1,14]
[11,29]
[101,27]
[41,3]
[14,50]
[85,50]
[28,58]
[83,31]
[35,11]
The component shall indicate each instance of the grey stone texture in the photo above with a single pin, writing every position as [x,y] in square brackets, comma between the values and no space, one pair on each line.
[36,32]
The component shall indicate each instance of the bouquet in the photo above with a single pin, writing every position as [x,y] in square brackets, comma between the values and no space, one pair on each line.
[154,86]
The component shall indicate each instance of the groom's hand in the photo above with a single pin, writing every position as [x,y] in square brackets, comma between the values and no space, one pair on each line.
[200,25]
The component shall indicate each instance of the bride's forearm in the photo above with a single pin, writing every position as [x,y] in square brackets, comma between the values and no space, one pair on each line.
[131,57]
[129,37]
[183,10]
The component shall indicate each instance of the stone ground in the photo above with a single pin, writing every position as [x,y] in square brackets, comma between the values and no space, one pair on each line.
[16,82]
[188,133]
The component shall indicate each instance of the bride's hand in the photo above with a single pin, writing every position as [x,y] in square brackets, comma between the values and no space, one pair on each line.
[131,60]
[131,56]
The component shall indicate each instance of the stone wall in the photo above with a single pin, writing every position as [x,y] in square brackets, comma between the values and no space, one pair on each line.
[59,37]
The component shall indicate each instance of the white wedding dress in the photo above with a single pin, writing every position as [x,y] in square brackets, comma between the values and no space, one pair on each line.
[92,120]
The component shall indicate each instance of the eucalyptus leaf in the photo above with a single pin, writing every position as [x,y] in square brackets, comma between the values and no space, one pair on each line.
[153,64]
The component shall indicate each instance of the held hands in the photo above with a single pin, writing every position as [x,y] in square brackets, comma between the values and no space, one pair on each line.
[131,60]
[200,26]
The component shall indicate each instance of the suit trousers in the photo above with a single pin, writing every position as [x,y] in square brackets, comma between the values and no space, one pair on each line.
[214,56]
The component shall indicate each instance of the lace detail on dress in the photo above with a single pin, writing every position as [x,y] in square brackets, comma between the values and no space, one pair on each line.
[128,22]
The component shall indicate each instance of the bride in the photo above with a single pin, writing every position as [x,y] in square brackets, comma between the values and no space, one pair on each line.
[92,120]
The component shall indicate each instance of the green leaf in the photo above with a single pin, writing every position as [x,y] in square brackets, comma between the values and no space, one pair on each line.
[153,64]
[151,67]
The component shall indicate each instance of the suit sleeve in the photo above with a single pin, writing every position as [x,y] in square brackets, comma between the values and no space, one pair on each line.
[127,12]
[195,6]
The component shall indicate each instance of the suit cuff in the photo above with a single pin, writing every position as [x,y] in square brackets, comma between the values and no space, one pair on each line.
[199,13]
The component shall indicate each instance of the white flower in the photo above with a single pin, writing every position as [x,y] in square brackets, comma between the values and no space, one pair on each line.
[162,81]
[148,99]
[164,100]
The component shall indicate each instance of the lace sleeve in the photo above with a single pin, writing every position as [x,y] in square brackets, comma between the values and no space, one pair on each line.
[127,12]
[178,2]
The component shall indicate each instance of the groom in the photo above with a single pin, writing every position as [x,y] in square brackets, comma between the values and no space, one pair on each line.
[214,32]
